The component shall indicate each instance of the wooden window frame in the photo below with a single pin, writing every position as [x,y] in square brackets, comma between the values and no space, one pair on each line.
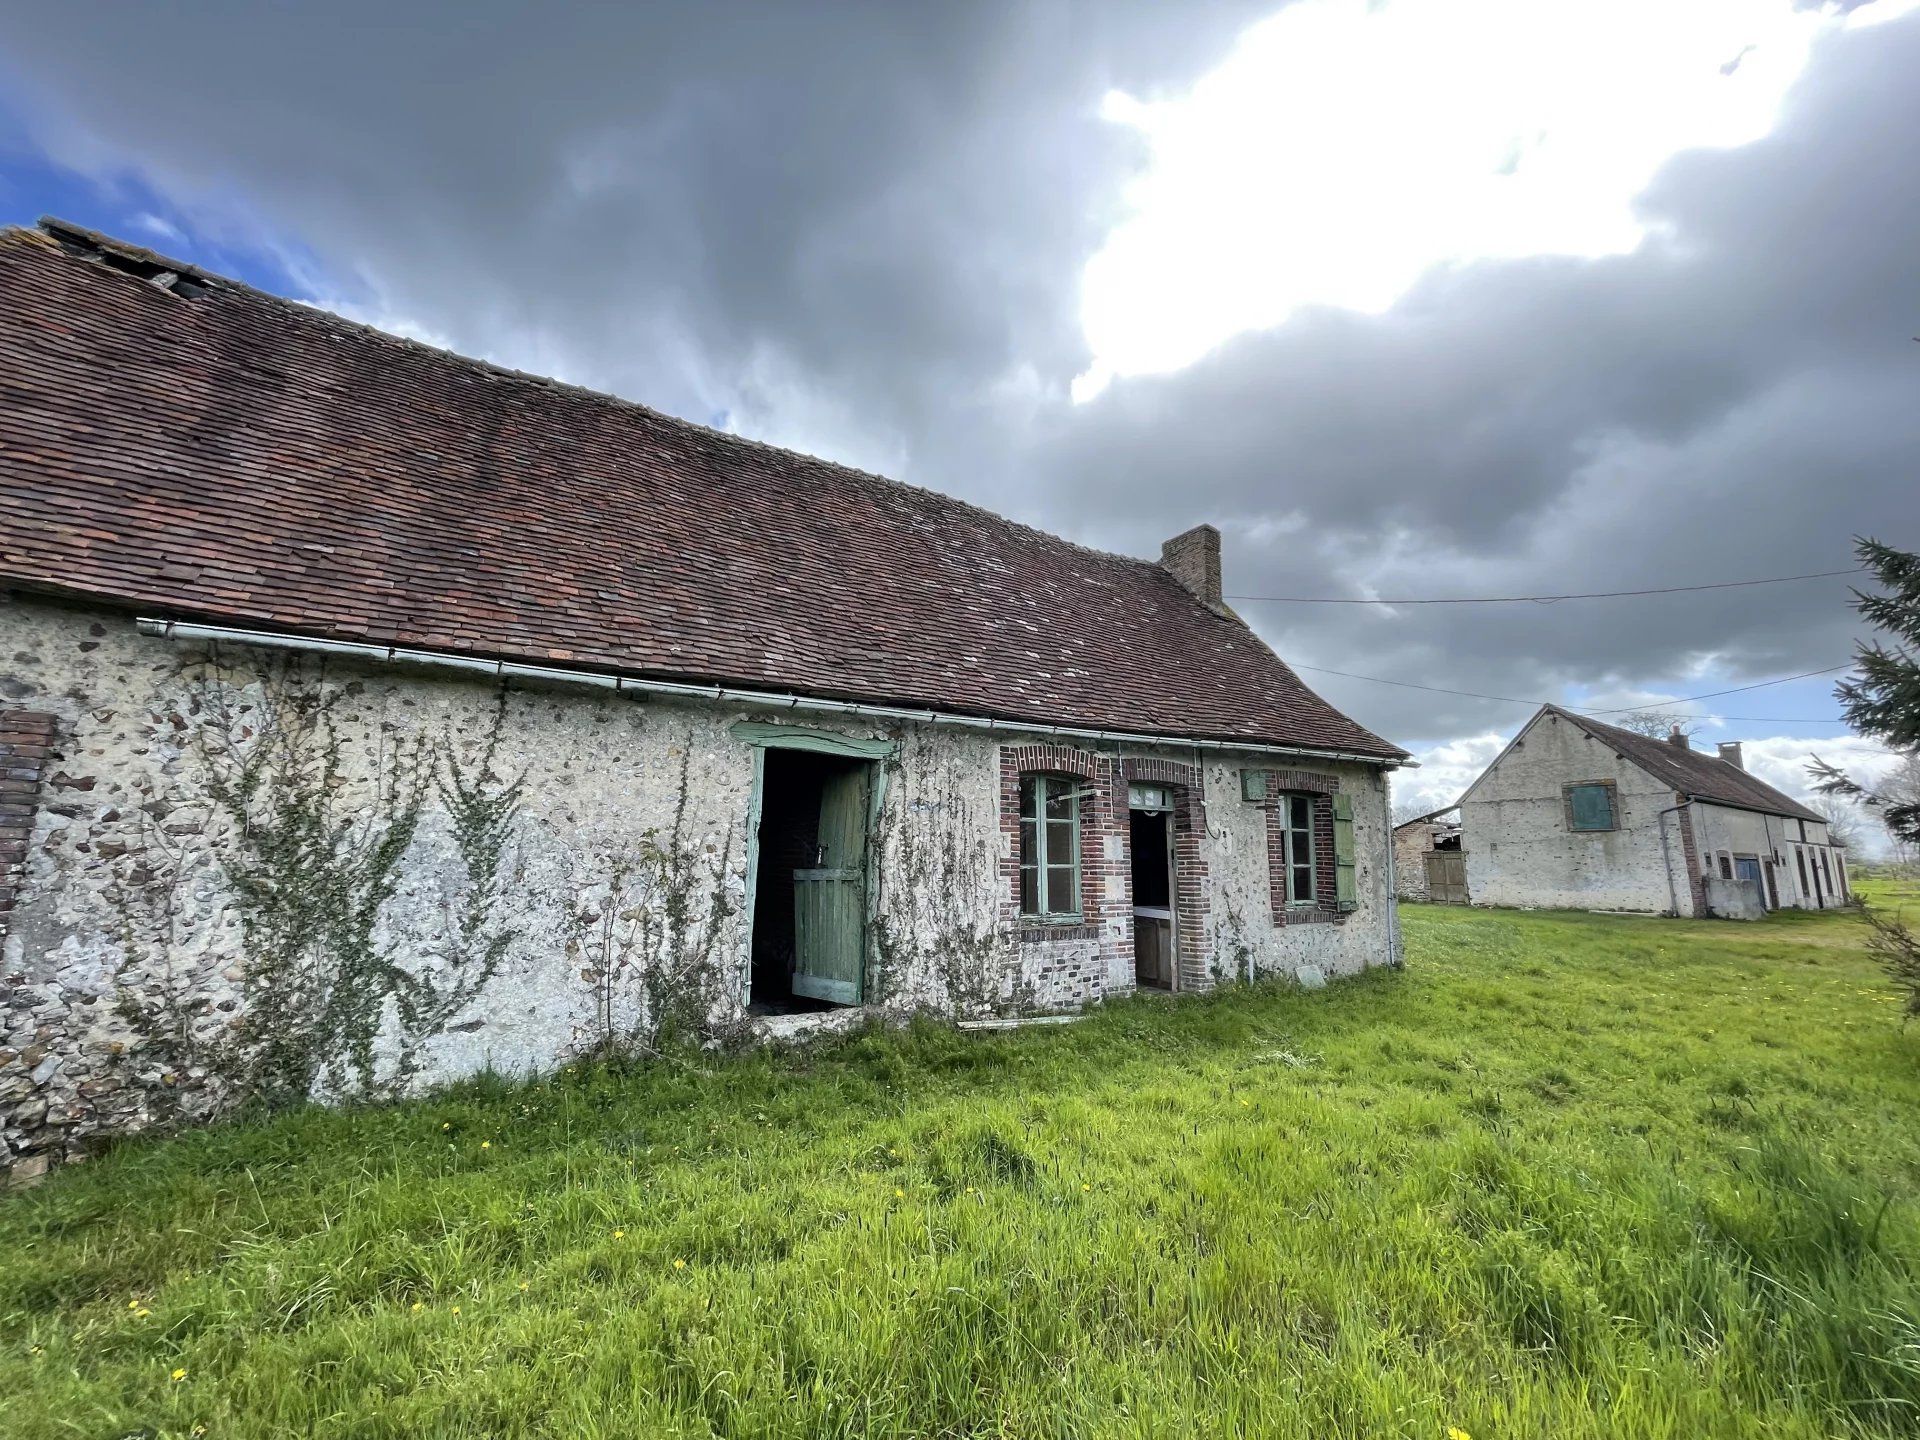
[1042,784]
[1285,799]
[1613,806]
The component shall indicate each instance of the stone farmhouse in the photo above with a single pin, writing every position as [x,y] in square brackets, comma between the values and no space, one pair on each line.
[370,715]
[1581,815]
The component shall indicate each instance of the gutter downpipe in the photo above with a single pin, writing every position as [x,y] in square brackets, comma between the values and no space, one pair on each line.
[507,669]
[1666,856]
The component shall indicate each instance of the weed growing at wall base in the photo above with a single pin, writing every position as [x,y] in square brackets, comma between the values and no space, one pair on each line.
[1565,1175]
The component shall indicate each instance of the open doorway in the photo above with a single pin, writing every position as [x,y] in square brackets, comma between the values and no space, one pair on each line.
[1150,843]
[810,887]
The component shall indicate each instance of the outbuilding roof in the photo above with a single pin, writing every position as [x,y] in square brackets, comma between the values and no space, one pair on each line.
[182,443]
[1690,772]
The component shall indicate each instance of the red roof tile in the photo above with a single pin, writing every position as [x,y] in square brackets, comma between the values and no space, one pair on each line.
[231,456]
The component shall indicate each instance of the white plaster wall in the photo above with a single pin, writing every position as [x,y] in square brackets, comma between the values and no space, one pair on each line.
[1245,935]
[1520,851]
[125,889]
[1722,830]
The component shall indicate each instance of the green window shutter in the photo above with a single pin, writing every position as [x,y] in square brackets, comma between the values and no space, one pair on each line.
[1590,807]
[1344,890]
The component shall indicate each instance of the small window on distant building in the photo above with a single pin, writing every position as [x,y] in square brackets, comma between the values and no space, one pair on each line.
[1726,867]
[1296,836]
[1050,846]
[1592,806]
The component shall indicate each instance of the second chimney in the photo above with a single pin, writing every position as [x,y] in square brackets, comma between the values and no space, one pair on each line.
[1677,738]
[1730,752]
[1193,558]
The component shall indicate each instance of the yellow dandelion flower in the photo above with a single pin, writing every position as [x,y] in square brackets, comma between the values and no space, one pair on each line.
[523,1286]
[899,1194]
[679,1264]
[417,1306]
[142,1313]
[446,1125]
[179,1375]
[456,1309]
[1246,1102]
[486,1144]
[1086,1187]
[619,1234]
[1454,1432]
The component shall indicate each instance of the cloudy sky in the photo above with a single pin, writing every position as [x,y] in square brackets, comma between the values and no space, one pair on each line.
[1412,298]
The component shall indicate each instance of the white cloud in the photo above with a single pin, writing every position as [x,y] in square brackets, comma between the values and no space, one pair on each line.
[157,225]
[1446,770]
[1346,147]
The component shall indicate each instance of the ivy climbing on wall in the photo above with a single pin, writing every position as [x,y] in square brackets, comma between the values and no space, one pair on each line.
[310,856]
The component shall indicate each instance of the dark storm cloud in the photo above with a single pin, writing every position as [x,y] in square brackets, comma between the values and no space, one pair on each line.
[862,230]
[868,209]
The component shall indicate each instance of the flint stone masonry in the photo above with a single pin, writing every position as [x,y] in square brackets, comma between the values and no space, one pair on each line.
[122,890]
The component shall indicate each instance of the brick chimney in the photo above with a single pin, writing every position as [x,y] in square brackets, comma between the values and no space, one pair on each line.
[1193,558]
[1677,738]
[1730,752]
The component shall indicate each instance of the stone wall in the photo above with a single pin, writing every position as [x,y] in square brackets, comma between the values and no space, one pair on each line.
[1520,850]
[513,876]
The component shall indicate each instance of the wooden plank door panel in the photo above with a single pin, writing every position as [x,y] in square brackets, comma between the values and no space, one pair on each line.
[830,900]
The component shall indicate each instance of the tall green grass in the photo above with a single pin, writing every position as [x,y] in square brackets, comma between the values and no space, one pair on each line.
[1564,1176]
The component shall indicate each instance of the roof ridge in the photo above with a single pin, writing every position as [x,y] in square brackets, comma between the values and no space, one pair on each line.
[937,629]
[1681,758]
[55,227]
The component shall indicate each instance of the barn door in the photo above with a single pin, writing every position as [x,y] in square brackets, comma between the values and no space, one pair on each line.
[830,899]
[1446,877]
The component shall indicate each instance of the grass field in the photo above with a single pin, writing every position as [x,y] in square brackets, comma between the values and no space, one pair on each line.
[1563,1176]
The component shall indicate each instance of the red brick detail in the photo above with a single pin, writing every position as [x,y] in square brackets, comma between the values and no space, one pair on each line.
[1018,760]
[26,753]
[1192,890]
[1106,909]
[1696,878]
[1326,907]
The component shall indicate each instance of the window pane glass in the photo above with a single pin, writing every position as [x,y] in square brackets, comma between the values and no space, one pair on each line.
[1059,842]
[1060,897]
[1030,892]
[1059,800]
[1028,784]
[1302,812]
[1302,883]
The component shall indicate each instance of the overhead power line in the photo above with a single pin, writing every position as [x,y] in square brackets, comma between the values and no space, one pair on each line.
[1616,710]
[1541,599]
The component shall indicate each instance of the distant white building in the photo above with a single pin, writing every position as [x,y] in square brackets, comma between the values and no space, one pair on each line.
[1579,815]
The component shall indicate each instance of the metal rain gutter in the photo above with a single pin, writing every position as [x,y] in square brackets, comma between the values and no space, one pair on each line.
[507,669]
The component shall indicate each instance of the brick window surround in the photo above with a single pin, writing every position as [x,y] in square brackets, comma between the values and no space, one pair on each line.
[1325,909]
[26,747]
[1106,885]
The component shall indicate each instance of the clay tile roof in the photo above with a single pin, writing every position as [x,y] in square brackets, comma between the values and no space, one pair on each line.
[174,441]
[1692,773]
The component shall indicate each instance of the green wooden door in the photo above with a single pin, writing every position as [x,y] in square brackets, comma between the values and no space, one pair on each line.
[830,900]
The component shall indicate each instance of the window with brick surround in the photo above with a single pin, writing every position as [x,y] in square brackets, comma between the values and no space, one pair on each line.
[1050,846]
[1299,867]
